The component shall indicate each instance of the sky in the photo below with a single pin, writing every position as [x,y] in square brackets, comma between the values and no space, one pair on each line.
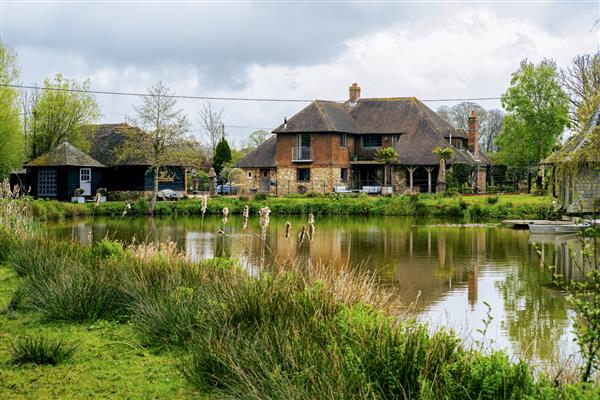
[291,49]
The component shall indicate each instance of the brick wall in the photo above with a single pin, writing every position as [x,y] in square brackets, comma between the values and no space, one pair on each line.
[585,191]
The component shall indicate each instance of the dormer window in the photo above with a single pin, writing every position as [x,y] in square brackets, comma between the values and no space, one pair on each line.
[395,139]
[371,140]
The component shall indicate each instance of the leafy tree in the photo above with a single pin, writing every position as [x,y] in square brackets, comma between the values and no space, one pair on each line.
[257,138]
[60,114]
[386,155]
[538,113]
[165,127]
[222,155]
[11,138]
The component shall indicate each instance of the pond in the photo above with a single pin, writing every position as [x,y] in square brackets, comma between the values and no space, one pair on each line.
[448,272]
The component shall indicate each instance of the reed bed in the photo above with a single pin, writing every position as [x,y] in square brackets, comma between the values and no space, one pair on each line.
[296,332]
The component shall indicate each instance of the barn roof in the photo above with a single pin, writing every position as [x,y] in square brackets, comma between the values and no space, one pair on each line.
[261,157]
[65,154]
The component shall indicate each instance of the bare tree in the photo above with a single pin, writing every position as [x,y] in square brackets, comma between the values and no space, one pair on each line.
[581,80]
[458,114]
[29,100]
[211,122]
[164,127]
[488,132]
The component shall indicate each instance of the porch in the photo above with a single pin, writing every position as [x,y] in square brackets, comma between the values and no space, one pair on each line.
[369,174]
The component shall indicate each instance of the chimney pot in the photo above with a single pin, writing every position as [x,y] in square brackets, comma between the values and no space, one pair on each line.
[354,92]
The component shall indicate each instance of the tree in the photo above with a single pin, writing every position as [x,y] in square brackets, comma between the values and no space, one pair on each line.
[489,131]
[211,122]
[11,138]
[60,114]
[581,80]
[165,127]
[257,138]
[537,114]
[222,155]
[386,155]
[29,100]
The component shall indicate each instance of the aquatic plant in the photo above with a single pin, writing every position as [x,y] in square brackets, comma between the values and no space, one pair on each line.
[245,215]
[225,214]
[288,229]
[311,226]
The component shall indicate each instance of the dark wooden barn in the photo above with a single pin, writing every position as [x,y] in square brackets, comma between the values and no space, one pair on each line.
[128,176]
[58,173]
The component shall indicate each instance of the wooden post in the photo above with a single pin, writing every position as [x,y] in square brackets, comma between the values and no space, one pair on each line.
[429,169]
[410,172]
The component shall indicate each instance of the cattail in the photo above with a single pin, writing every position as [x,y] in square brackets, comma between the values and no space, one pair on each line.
[302,235]
[16,191]
[288,228]
[203,204]
[127,208]
[311,226]
[264,217]
[225,214]
[97,199]
[246,214]
[220,233]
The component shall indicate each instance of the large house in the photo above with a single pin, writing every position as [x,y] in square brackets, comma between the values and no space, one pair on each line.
[330,146]
[576,171]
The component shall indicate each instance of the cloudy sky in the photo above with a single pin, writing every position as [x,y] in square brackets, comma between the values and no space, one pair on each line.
[291,49]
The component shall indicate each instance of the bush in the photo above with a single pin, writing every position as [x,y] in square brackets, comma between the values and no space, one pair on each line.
[40,349]
[491,200]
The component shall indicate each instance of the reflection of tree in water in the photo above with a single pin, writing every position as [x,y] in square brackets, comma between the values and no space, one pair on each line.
[536,314]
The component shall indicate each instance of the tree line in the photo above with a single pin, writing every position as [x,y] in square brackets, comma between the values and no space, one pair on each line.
[540,105]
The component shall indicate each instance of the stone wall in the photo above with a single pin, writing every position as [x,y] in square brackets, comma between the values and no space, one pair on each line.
[322,180]
[481,180]
[399,179]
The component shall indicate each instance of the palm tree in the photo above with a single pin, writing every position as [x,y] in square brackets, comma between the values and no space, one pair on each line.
[386,155]
[443,153]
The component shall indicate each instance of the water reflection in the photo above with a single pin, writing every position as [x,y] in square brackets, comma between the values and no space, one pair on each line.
[454,269]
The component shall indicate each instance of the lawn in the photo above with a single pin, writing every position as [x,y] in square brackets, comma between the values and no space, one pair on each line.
[109,363]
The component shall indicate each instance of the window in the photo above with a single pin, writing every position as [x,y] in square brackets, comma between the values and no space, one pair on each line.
[303,174]
[250,174]
[344,174]
[371,141]
[304,140]
[395,139]
[47,182]
[343,140]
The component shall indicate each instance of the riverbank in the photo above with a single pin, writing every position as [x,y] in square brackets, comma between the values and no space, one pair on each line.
[471,208]
[296,333]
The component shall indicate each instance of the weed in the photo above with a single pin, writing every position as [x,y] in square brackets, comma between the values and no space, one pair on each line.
[40,349]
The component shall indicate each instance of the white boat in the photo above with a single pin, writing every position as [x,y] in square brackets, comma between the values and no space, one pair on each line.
[541,228]
[567,228]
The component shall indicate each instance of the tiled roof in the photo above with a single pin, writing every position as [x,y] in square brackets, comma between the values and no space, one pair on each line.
[261,157]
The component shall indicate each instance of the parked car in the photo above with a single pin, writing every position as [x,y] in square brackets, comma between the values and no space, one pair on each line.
[226,189]
[168,194]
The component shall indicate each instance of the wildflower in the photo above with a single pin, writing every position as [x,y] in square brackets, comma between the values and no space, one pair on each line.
[246,214]
[225,214]
[288,228]
[311,226]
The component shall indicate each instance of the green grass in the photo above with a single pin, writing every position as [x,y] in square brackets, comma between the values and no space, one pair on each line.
[468,207]
[109,363]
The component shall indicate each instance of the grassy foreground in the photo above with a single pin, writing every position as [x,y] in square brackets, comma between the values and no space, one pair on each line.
[475,208]
[151,324]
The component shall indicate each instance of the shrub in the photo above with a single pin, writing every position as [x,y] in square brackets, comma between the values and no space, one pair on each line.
[109,248]
[491,200]
[40,349]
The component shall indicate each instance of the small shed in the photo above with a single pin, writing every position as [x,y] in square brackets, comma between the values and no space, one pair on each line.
[58,173]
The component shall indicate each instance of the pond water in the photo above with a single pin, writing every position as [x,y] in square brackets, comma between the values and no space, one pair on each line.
[448,271]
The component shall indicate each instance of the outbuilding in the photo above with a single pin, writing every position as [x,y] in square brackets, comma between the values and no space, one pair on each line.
[58,173]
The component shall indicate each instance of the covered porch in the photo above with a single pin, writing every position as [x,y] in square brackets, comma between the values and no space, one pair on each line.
[371,175]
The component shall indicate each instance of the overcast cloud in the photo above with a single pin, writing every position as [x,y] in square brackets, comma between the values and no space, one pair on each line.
[291,50]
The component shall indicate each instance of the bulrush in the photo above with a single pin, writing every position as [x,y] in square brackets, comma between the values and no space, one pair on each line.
[203,204]
[302,235]
[127,208]
[288,228]
[311,226]
[246,214]
[225,214]
[264,217]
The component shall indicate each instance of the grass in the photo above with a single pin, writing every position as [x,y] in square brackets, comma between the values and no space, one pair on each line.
[109,363]
[485,207]
[41,350]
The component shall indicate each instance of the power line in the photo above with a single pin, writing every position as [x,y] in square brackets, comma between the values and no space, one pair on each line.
[190,97]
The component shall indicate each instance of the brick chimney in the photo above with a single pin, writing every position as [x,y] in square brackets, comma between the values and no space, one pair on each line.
[473,134]
[354,93]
